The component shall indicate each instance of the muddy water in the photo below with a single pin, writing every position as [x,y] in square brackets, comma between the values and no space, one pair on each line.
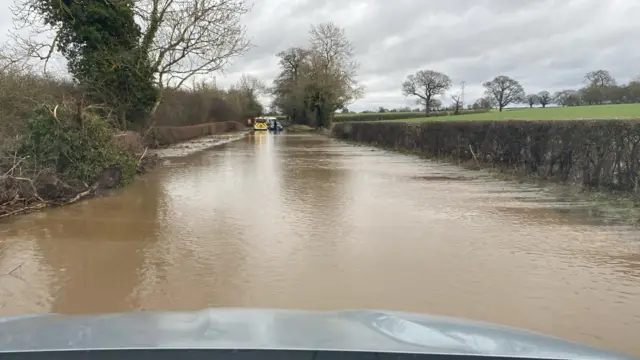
[305,222]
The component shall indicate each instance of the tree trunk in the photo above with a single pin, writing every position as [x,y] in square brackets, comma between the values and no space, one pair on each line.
[123,119]
[500,108]
[319,117]
[426,107]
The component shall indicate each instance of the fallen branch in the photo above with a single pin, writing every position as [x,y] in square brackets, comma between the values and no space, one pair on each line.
[25,209]
[143,154]
[16,163]
[474,155]
[33,186]
[15,269]
[78,197]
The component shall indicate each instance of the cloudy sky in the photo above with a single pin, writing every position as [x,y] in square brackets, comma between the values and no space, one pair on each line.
[545,44]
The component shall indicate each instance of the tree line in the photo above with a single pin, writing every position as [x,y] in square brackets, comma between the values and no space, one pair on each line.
[124,56]
[502,91]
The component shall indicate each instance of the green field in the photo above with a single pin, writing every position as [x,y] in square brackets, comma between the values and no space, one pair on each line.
[623,111]
[372,114]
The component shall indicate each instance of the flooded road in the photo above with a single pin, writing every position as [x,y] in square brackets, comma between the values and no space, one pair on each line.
[301,221]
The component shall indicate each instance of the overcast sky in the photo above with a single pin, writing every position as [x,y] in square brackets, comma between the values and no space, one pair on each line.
[545,44]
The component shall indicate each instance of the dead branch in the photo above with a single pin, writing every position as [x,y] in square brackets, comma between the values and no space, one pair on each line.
[143,154]
[25,209]
[78,197]
[474,155]
[15,269]
[15,164]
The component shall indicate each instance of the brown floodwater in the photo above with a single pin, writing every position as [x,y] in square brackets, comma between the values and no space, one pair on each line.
[306,222]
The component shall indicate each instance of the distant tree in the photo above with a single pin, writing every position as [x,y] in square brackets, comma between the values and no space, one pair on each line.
[558,98]
[616,94]
[592,94]
[544,98]
[504,90]
[457,103]
[426,84]
[633,90]
[573,98]
[532,99]
[316,82]
[484,103]
[345,110]
[567,98]
[435,104]
[243,96]
[381,109]
[599,78]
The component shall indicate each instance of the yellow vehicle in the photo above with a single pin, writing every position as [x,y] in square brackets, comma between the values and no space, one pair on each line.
[260,124]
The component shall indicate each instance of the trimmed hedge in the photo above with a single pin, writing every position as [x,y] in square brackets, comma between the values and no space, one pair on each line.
[400,115]
[593,153]
[393,115]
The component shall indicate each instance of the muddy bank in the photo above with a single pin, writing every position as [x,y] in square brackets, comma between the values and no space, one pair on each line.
[595,154]
[196,145]
[23,193]
[160,136]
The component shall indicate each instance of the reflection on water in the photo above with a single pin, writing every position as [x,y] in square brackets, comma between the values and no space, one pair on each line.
[306,222]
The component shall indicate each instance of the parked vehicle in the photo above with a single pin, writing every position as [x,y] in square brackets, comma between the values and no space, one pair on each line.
[260,124]
[274,125]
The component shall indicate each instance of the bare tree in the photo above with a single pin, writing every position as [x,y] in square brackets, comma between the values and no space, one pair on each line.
[425,84]
[544,98]
[292,61]
[183,38]
[8,61]
[600,78]
[567,98]
[484,103]
[532,99]
[252,85]
[504,91]
[434,104]
[332,71]
[289,87]
[457,103]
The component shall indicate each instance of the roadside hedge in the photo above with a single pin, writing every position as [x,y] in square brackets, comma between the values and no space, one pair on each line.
[594,153]
[400,115]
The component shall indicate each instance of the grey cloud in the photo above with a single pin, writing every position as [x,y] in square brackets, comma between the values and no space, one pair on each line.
[546,44]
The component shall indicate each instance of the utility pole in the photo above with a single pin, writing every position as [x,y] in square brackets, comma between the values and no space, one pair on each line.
[462,94]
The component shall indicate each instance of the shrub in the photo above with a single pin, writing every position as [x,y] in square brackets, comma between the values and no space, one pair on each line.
[78,147]
[21,92]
